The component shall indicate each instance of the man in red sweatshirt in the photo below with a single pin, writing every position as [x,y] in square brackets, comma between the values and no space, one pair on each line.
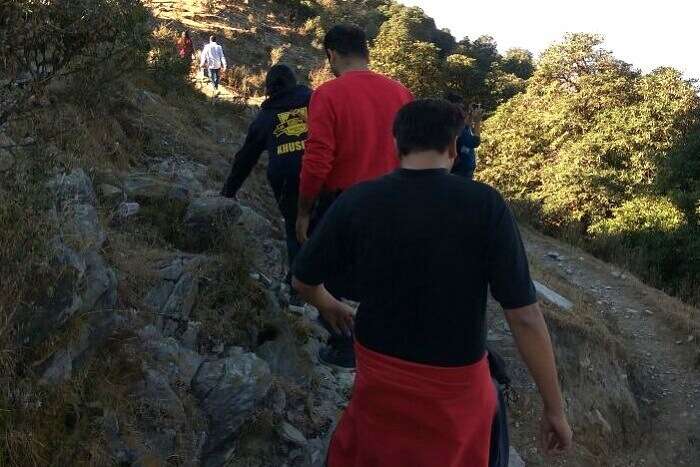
[350,141]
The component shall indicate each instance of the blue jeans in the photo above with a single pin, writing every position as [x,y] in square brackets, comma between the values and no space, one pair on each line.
[215,77]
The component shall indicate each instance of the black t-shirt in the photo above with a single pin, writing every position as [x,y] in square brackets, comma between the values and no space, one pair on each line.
[423,247]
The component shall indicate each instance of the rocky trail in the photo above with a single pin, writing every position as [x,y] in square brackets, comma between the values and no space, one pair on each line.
[174,310]
[634,403]
[170,319]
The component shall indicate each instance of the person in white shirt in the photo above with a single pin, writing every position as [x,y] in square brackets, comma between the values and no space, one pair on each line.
[213,61]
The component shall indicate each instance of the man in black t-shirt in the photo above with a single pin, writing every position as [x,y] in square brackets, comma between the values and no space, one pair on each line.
[424,247]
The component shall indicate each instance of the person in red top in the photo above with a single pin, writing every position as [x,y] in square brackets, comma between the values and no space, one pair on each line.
[350,141]
[185,48]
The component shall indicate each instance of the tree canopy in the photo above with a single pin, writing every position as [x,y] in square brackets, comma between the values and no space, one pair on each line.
[591,144]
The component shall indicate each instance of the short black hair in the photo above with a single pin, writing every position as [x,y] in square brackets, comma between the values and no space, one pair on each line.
[348,40]
[280,78]
[427,124]
[212,38]
[454,98]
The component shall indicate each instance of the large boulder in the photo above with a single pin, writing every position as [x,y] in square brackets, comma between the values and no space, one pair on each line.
[75,187]
[82,227]
[286,357]
[85,283]
[177,363]
[163,413]
[229,389]
[208,217]
[174,296]
[146,187]
[59,367]
[184,172]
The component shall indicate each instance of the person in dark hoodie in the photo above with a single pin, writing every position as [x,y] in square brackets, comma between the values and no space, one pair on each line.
[469,139]
[280,129]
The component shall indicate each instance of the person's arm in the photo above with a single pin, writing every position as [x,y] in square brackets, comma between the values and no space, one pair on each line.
[535,346]
[320,258]
[511,285]
[317,161]
[246,157]
[339,315]
[203,57]
[223,59]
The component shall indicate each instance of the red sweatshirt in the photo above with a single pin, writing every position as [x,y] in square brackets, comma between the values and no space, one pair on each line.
[350,131]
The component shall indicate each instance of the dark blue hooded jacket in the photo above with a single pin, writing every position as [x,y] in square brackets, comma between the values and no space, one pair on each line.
[280,129]
[466,157]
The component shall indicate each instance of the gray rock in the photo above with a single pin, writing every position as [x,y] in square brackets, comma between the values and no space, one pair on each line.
[143,97]
[286,357]
[255,224]
[142,186]
[59,368]
[174,299]
[128,209]
[290,433]
[177,363]
[88,284]
[120,452]
[183,172]
[82,227]
[206,212]
[552,296]
[190,338]
[161,410]
[75,187]
[514,459]
[110,192]
[175,296]
[229,389]
[207,219]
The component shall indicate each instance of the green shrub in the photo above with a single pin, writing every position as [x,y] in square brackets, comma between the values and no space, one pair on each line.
[650,214]
[94,41]
[169,71]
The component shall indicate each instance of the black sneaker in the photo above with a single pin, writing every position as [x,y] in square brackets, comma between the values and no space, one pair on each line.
[295,300]
[340,359]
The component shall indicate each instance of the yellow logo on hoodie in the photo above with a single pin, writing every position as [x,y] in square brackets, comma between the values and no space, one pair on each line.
[292,123]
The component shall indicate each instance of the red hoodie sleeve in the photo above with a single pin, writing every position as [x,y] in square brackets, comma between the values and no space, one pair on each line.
[320,146]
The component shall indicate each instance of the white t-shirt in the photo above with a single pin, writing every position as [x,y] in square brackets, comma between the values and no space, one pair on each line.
[213,56]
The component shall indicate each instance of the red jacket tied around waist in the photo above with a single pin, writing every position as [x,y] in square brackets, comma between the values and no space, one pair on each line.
[404,414]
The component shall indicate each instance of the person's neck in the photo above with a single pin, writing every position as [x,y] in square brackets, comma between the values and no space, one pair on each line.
[425,160]
[354,65]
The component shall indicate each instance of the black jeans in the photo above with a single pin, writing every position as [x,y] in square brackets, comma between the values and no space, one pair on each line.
[286,192]
[500,439]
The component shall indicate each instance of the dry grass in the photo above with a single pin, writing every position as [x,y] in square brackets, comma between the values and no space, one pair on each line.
[232,308]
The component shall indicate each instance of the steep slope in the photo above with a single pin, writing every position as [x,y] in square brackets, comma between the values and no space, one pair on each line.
[168,341]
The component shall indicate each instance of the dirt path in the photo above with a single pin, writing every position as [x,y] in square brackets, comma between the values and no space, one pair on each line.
[662,357]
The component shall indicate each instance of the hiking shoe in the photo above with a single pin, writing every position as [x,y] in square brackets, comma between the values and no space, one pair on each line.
[295,300]
[340,359]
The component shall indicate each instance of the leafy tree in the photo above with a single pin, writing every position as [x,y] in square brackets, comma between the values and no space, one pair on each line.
[396,53]
[461,76]
[518,62]
[598,148]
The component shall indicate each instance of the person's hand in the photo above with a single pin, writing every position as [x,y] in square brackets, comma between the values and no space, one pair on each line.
[477,114]
[555,434]
[303,228]
[341,317]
